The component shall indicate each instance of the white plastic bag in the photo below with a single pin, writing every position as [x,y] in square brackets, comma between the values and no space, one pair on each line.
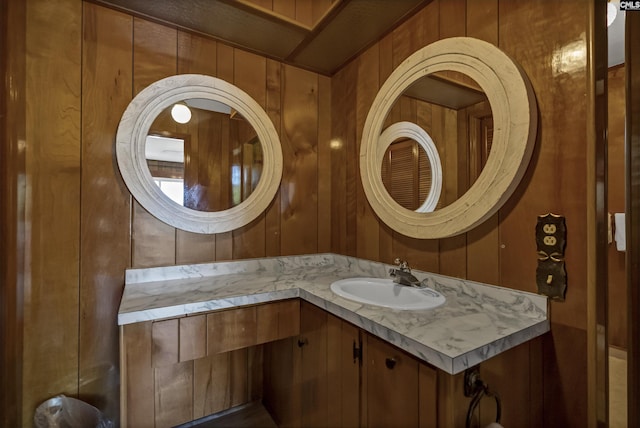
[67,412]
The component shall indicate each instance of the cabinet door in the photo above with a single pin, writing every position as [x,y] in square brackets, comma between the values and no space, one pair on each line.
[392,386]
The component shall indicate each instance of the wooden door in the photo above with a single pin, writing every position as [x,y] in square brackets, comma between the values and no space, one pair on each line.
[392,386]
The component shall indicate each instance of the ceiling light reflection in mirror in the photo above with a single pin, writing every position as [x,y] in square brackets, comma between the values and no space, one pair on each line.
[242,146]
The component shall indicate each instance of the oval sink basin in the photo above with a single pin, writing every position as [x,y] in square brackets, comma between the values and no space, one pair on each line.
[386,293]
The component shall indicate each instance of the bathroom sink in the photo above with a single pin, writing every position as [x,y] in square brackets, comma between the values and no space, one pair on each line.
[386,293]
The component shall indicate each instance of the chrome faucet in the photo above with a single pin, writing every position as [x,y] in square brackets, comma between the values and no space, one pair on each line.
[402,274]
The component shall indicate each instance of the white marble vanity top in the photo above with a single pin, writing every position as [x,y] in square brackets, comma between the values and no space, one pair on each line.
[476,322]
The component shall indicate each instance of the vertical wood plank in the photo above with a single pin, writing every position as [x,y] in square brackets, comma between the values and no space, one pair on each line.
[255,373]
[239,382]
[273,109]
[154,57]
[343,179]
[192,337]
[299,139]
[105,202]
[313,328]
[225,65]
[165,340]
[453,18]
[324,164]
[428,394]
[12,207]
[52,216]
[367,239]
[282,374]
[137,375]
[250,76]
[174,394]
[211,385]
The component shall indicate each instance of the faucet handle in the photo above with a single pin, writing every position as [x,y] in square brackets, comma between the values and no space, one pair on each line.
[402,264]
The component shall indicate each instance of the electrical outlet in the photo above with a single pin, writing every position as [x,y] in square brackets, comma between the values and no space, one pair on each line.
[551,239]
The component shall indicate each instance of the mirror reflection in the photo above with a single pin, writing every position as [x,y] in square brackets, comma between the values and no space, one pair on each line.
[454,111]
[204,155]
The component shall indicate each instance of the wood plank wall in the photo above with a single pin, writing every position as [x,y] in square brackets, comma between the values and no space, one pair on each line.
[84,227]
[616,204]
[502,250]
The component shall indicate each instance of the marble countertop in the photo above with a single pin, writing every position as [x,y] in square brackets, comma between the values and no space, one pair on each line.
[476,322]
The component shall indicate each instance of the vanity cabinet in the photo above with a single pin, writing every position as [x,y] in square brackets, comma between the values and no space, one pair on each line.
[335,374]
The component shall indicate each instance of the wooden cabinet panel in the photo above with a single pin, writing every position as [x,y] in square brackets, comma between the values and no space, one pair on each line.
[428,396]
[232,329]
[193,337]
[343,373]
[137,375]
[392,386]
[164,336]
[313,332]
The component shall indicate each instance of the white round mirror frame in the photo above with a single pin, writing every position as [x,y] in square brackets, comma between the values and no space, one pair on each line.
[515,119]
[130,153]
[419,135]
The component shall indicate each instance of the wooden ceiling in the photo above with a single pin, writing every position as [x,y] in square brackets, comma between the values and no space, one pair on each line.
[330,33]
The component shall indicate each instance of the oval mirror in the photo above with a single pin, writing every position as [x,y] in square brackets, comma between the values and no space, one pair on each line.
[199,154]
[513,114]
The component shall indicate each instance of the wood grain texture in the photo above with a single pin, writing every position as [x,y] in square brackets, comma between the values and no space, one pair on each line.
[367,238]
[12,207]
[231,329]
[428,396]
[274,111]
[105,245]
[250,74]
[173,394]
[314,388]
[154,57]
[617,327]
[325,172]
[299,139]
[192,337]
[165,339]
[52,216]
[282,381]
[401,407]
[137,377]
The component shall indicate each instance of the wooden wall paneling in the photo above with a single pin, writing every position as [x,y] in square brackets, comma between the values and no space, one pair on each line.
[325,171]
[52,216]
[138,405]
[368,245]
[617,326]
[105,202]
[192,337]
[288,318]
[165,342]
[239,376]
[408,38]
[196,55]
[13,205]
[482,20]
[154,57]
[483,241]
[173,394]
[453,18]
[273,109]
[281,392]
[304,12]
[255,373]
[343,158]
[225,66]
[428,396]
[250,74]
[385,63]
[211,387]
[299,134]
[555,182]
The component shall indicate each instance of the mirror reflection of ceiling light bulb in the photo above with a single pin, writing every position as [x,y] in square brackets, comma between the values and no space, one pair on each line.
[181,113]
[612,11]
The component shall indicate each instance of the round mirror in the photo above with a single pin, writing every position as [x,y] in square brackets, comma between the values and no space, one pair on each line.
[513,117]
[199,154]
